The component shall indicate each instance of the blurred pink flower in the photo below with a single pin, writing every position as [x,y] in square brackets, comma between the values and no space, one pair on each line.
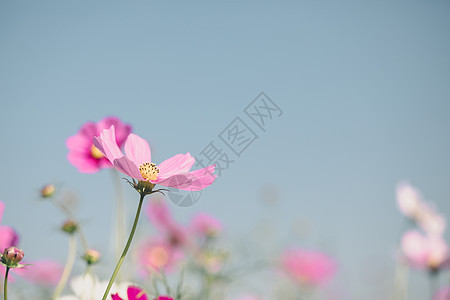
[8,237]
[409,199]
[159,214]
[428,252]
[158,255]
[44,272]
[410,203]
[308,267]
[173,172]
[204,225]
[82,152]
[442,294]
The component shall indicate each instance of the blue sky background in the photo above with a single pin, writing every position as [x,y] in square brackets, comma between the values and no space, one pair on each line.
[364,86]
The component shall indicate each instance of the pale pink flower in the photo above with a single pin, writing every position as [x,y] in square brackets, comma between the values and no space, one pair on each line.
[308,267]
[409,199]
[136,163]
[204,225]
[442,294]
[82,152]
[427,252]
[159,214]
[410,203]
[44,272]
[158,255]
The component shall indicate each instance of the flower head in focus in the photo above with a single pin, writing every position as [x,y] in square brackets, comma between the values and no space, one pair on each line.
[308,267]
[425,252]
[82,152]
[136,163]
[11,257]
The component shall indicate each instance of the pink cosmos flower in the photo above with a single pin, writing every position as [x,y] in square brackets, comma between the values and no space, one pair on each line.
[82,152]
[159,214]
[44,273]
[203,225]
[410,203]
[8,237]
[136,163]
[158,255]
[308,267]
[427,252]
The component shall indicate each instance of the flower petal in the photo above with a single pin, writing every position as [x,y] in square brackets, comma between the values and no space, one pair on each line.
[128,167]
[116,297]
[122,130]
[180,163]
[106,143]
[137,149]
[135,293]
[192,181]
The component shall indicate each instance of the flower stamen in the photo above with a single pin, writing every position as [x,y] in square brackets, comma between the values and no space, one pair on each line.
[149,171]
[97,154]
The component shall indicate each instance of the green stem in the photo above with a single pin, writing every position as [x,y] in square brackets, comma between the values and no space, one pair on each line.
[68,267]
[6,284]
[122,257]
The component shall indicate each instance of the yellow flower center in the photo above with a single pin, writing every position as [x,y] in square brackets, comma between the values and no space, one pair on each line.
[97,154]
[158,257]
[149,171]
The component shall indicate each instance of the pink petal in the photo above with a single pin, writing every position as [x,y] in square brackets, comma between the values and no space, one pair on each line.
[414,246]
[127,167]
[116,297]
[135,293]
[106,143]
[137,149]
[159,213]
[122,130]
[84,162]
[192,181]
[180,163]
[79,142]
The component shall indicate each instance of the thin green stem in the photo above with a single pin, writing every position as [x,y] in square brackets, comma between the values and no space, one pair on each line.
[124,253]
[71,254]
[5,288]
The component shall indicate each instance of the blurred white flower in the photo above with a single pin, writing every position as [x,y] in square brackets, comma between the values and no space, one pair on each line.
[88,287]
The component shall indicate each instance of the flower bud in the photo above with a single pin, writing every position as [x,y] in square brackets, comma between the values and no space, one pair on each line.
[12,256]
[70,226]
[91,256]
[48,191]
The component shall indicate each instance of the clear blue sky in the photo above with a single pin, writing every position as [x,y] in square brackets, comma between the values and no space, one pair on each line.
[364,86]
